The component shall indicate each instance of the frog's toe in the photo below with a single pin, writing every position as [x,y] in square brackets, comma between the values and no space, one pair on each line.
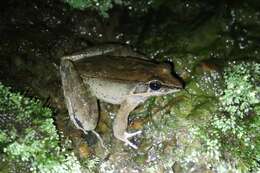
[129,135]
[127,142]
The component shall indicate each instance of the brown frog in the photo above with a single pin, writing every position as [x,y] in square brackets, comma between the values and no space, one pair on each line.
[114,74]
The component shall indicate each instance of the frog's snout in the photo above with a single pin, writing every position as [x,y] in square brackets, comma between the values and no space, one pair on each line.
[178,83]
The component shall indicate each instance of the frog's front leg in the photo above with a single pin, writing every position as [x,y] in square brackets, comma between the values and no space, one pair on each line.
[121,120]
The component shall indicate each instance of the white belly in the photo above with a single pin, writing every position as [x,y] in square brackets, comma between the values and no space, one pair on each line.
[111,92]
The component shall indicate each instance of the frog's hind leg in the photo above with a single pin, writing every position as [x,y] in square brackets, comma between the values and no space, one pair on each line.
[126,51]
[106,49]
[82,105]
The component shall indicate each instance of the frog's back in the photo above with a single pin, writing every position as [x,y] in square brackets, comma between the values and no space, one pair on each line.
[117,68]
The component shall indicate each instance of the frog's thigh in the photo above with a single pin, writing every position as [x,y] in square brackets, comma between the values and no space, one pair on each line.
[82,105]
[112,49]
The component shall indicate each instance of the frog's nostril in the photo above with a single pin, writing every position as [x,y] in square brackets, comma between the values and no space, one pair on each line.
[183,86]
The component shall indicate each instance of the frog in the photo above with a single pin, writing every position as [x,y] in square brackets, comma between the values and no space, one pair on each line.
[115,74]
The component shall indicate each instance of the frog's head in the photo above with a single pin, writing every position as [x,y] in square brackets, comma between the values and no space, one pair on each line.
[162,82]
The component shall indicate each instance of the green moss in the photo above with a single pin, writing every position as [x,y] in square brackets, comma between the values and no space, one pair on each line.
[28,137]
[3,137]
[103,6]
[233,131]
[91,165]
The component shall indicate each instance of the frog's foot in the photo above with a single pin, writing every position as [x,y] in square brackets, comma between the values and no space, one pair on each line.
[125,137]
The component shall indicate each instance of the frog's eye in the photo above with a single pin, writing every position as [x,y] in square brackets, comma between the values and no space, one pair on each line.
[155,85]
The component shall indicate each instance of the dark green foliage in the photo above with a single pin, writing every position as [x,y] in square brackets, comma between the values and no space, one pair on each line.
[103,6]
